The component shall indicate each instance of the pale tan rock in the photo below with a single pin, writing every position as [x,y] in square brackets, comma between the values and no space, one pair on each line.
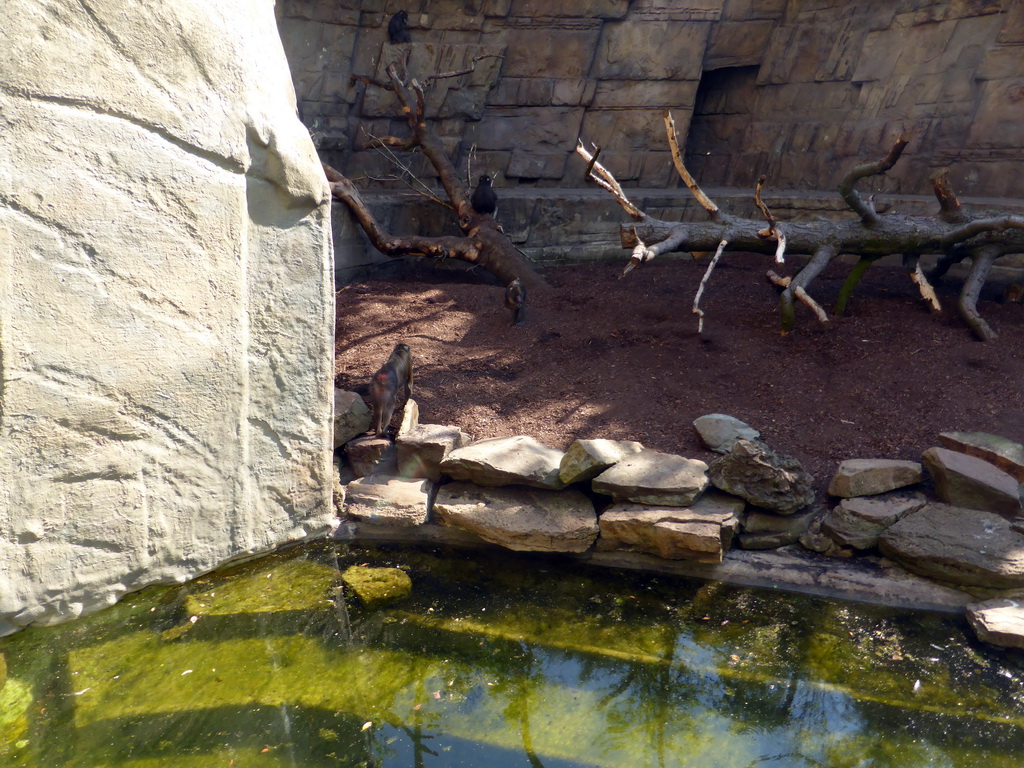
[719,432]
[966,481]
[999,621]
[858,522]
[410,418]
[702,532]
[651,477]
[517,518]
[586,459]
[998,451]
[867,477]
[352,416]
[391,501]
[422,449]
[506,461]
[958,545]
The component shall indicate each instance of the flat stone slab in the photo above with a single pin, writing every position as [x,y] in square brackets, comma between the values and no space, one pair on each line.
[422,449]
[869,477]
[720,432]
[651,477]
[958,545]
[966,481]
[352,416]
[388,500]
[586,459]
[764,478]
[499,461]
[517,518]
[999,621]
[703,531]
[858,522]
[999,451]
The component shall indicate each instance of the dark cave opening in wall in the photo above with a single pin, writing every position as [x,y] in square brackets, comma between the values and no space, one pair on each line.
[718,145]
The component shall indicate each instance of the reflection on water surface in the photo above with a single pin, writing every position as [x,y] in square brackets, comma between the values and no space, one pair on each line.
[502,661]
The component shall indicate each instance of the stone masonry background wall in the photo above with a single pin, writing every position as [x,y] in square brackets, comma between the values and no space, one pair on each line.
[799,90]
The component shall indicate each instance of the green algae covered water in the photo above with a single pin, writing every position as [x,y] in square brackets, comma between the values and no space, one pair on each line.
[501,662]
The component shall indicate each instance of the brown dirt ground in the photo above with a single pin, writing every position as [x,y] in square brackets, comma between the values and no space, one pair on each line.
[604,357]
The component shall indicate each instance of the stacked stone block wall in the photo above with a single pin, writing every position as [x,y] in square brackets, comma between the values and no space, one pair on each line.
[798,90]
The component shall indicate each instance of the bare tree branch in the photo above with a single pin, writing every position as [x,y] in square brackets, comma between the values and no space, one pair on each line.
[801,294]
[865,210]
[684,174]
[774,230]
[949,205]
[703,282]
[468,71]
[981,226]
[605,179]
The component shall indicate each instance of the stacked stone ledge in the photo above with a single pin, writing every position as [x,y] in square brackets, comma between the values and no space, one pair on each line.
[615,495]
[520,494]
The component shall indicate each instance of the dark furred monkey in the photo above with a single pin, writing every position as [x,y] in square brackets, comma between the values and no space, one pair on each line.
[384,386]
[515,299]
[484,199]
[398,28]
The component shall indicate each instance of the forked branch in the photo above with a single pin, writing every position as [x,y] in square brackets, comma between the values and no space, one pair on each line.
[604,178]
[847,190]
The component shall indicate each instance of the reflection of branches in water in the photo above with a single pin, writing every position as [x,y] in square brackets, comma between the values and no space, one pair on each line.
[786,758]
[519,689]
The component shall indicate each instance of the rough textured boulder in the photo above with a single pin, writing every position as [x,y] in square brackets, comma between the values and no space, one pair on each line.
[859,522]
[720,432]
[963,546]
[999,621]
[868,477]
[352,416]
[392,501]
[506,461]
[586,459]
[998,451]
[650,477]
[965,481]
[167,301]
[701,532]
[422,449]
[764,478]
[371,456]
[523,519]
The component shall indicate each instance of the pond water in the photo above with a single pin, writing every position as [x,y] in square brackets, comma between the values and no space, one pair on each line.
[501,661]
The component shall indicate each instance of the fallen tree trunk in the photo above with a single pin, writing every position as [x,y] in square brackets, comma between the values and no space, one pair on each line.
[953,232]
[484,244]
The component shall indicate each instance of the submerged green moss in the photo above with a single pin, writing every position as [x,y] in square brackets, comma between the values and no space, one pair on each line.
[271,586]
[377,587]
[260,666]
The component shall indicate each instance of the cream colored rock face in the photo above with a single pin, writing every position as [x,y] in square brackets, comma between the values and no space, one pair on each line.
[166,304]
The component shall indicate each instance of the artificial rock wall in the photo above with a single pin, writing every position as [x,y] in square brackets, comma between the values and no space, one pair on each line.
[800,90]
[796,89]
[166,300]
